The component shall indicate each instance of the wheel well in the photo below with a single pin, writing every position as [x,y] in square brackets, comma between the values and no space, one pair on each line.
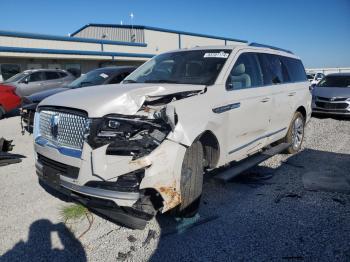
[211,149]
[302,110]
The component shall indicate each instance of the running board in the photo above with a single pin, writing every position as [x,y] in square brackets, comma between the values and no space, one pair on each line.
[250,162]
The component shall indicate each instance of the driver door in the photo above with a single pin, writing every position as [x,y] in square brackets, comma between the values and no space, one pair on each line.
[249,115]
[31,84]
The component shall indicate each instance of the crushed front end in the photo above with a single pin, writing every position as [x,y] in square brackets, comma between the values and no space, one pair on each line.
[113,164]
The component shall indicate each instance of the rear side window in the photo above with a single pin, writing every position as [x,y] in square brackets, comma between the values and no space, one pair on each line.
[246,73]
[295,68]
[272,69]
[52,75]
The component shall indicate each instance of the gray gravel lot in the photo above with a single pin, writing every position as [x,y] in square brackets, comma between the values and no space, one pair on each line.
[265,215]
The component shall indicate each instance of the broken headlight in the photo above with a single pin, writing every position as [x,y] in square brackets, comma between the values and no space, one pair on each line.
[128,136]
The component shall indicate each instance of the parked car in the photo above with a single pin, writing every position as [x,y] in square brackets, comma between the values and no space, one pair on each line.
[9,100]
[131,150]
[315,78]
[100,76]
[332,95]
[32,81]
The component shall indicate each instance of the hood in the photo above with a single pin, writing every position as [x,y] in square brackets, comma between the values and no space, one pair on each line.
[330,92]
[124,99]
[39,96]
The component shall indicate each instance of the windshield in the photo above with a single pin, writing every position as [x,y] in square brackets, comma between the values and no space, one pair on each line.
[16,77]
[96,77]
[335,81]
[198,67]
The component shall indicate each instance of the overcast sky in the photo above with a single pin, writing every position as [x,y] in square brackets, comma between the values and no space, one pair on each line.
[316,30]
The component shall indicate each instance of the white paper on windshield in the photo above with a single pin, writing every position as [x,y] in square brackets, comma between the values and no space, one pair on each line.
[104,75]
[222,54]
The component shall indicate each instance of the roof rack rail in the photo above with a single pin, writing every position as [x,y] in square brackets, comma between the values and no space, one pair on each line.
[269,46]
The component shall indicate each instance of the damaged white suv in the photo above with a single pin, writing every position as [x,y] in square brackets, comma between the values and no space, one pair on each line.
[130,150]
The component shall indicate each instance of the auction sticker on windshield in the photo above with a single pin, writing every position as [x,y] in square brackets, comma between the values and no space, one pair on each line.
[222,54]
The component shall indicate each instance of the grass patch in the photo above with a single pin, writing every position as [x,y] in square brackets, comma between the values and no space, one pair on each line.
[73,212]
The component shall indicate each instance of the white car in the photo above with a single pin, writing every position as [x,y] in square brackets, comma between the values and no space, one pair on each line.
[131,150]
[315,78]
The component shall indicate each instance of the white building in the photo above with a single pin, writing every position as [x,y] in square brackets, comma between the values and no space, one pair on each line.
[95,45]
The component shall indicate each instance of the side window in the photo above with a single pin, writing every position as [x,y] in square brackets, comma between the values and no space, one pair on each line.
[51,75]
[272,69]
[295,69]
[118,78]
[36,76]
[246,73]
[62,74]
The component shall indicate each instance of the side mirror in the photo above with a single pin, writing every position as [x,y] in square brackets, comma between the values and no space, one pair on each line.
[229,84]
[25,80]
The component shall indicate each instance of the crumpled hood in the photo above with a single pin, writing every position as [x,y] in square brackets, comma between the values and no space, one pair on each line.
[124,99]
[330,92]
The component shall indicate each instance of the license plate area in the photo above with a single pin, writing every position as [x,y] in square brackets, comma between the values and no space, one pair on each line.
[51,176]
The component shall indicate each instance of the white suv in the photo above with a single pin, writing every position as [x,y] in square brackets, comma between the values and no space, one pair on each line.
[130,150]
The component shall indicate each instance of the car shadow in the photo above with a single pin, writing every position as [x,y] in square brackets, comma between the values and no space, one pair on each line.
[265,214]
[39,246]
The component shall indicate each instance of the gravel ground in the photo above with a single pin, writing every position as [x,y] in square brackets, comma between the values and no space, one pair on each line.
[265,215]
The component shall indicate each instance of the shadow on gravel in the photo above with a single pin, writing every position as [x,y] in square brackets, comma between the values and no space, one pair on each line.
[39,245]
[265,214]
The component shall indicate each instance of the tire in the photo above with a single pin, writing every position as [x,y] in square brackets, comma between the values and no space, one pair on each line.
[295,135]
[2,112]
[191,183]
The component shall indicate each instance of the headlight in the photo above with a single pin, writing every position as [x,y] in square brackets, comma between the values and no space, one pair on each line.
[36,129]
[134,135]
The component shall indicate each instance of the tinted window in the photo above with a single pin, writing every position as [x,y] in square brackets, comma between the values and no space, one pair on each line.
[295,69]
[51,75]
[118,78]
[34,77]
[245,73]
[92,78]
[9,70]
[272,69]
[335,81]
[62,74]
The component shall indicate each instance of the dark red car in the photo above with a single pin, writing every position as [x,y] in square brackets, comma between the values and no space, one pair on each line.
[9,100]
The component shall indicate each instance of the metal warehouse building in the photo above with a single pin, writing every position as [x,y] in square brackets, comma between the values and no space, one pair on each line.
[95,45]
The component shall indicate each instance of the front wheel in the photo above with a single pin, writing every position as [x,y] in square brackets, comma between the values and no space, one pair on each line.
[191,181]
[295,135]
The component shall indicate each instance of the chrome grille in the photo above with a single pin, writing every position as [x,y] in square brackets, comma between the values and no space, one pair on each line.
[70,128]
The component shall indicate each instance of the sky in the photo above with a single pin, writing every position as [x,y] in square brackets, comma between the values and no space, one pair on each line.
[318,31]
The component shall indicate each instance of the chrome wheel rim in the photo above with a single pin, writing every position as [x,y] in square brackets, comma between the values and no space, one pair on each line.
[297,133]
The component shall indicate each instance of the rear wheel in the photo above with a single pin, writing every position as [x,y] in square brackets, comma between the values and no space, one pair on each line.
[295,135]
[191,181]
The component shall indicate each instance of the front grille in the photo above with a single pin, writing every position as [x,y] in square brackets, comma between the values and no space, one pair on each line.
[333,99]
[63,169]
[326,105]
[67,131]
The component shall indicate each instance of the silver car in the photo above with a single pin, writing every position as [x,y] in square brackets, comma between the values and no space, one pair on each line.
[32,81]
[332,95]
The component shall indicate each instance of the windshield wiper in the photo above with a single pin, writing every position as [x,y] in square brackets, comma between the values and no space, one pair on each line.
[161,81]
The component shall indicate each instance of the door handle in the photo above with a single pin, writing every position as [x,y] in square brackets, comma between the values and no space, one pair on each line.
[264,100]
[292,94]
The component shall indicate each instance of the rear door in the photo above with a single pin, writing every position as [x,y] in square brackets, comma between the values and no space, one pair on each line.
[249,106]
[277,79]
[53,80]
